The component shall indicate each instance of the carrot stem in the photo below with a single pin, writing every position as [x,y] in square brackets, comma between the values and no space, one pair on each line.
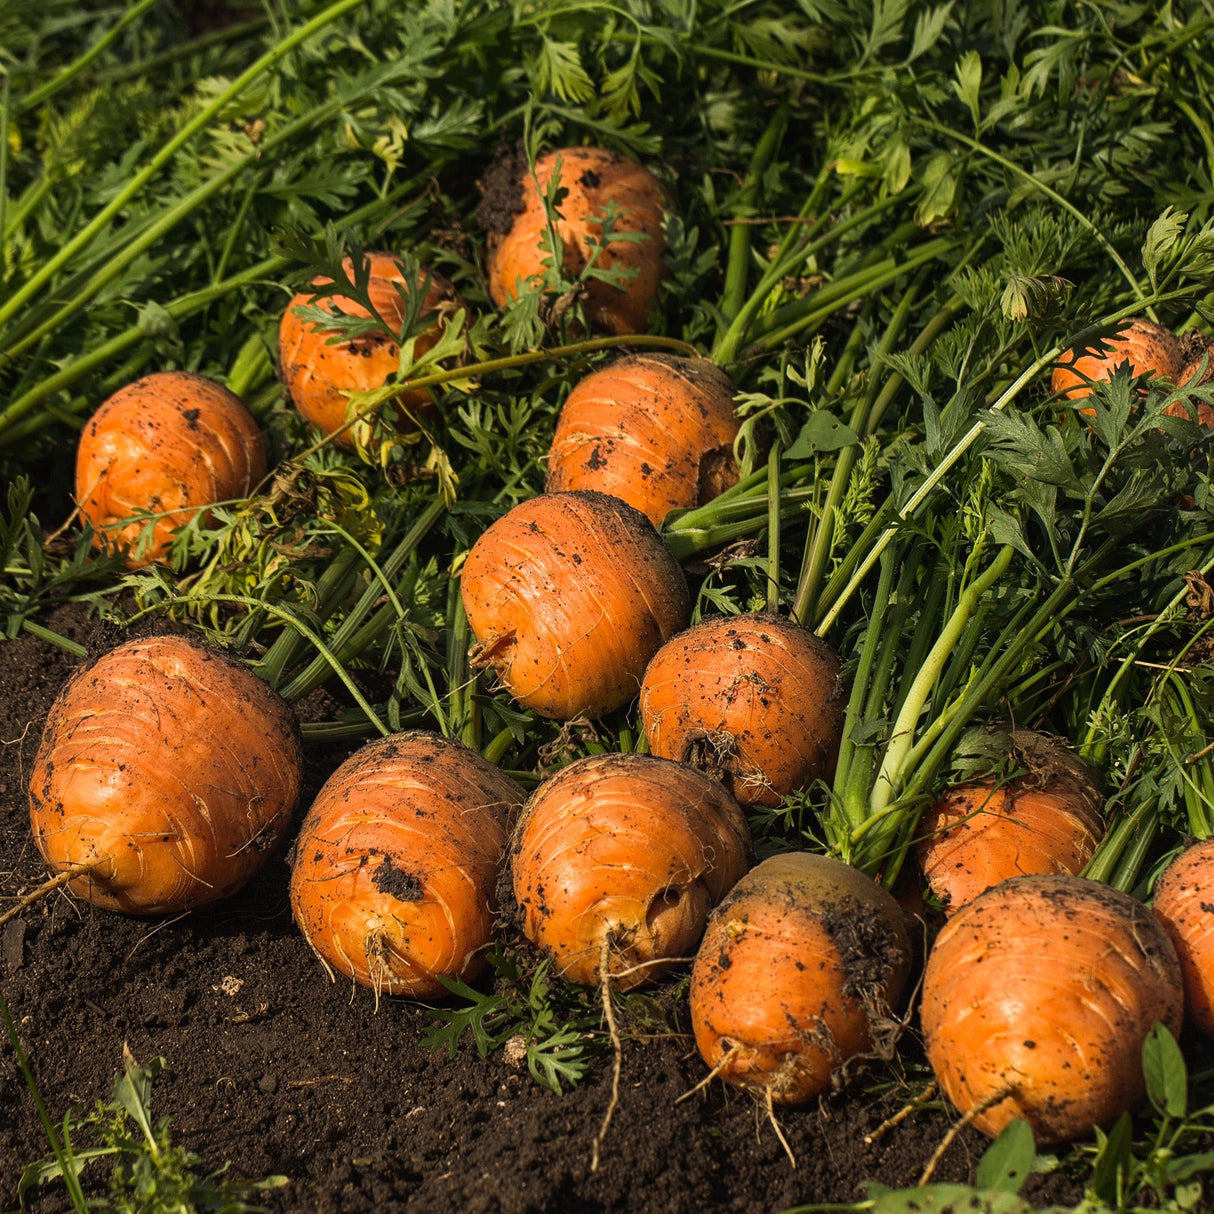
[74,69]
[737,264]
[71,249]
[773,528]
[356,633]
[902,734]
[821,539]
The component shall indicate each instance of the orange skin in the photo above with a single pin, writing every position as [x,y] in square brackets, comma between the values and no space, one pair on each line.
[1184,901]
[319,374]
[174,766]
[981,834]
[1044,988]
[397,860]
[771,1001]
[655,430]
[755,699]
[171,443]
[629,849]
[593,177]
[569,595]
[1148,349]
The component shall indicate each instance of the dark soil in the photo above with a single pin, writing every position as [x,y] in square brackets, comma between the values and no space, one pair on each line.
[278,1070]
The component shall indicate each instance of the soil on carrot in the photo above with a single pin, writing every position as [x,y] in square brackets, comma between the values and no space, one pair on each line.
[274,1068]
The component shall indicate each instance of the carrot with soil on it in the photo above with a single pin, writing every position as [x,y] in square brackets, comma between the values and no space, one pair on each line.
[396,866]
[1045,819]
[167,768]
[568,596]
[1037,997]
[656,430]
[617,861]
[607,219]
[166,446]
[1184,901]
[754,700]
[319,367]
[799,973]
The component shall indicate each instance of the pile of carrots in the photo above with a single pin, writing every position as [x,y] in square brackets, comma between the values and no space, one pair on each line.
[1040,985]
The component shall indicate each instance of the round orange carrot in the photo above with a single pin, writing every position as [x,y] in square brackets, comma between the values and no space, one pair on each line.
[1145,347]
[1037,997]
[797,974]
[569,595]
[395,870]
[319,371]
[755,700]
[654,429]
[171,767]
[628,853]
[1047,820]
[165,446]
[1184,901]
[593,182]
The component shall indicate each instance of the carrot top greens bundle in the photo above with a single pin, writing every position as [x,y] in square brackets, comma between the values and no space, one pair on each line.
[935,284]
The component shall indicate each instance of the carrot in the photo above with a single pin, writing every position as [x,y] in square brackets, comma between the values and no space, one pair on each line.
[1046,820]
[167,445]
[597,188]
[568,596]
[796,975]
[656,430]
[1184,901]
[170,768]
[628,853]
[397,861]
[1145,347]
[319,371]
[1037,997]
[755,700]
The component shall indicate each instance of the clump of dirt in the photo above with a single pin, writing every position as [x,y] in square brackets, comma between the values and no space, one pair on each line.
[502,190]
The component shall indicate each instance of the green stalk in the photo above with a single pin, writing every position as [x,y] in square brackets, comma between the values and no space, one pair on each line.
[789,257]
[773,528]
[496,750]
[133,246]
[332,586]
[878,652]
[902,734]
[794,319]
[737,262]
[54,638]
[461,682]
[820,540]
[355,633]
[73,70]
[69,251]
[959,448]
[724,520]
[5,98]
[862,681]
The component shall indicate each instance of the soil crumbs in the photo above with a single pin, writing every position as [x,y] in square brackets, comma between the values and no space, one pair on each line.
[274,1068]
